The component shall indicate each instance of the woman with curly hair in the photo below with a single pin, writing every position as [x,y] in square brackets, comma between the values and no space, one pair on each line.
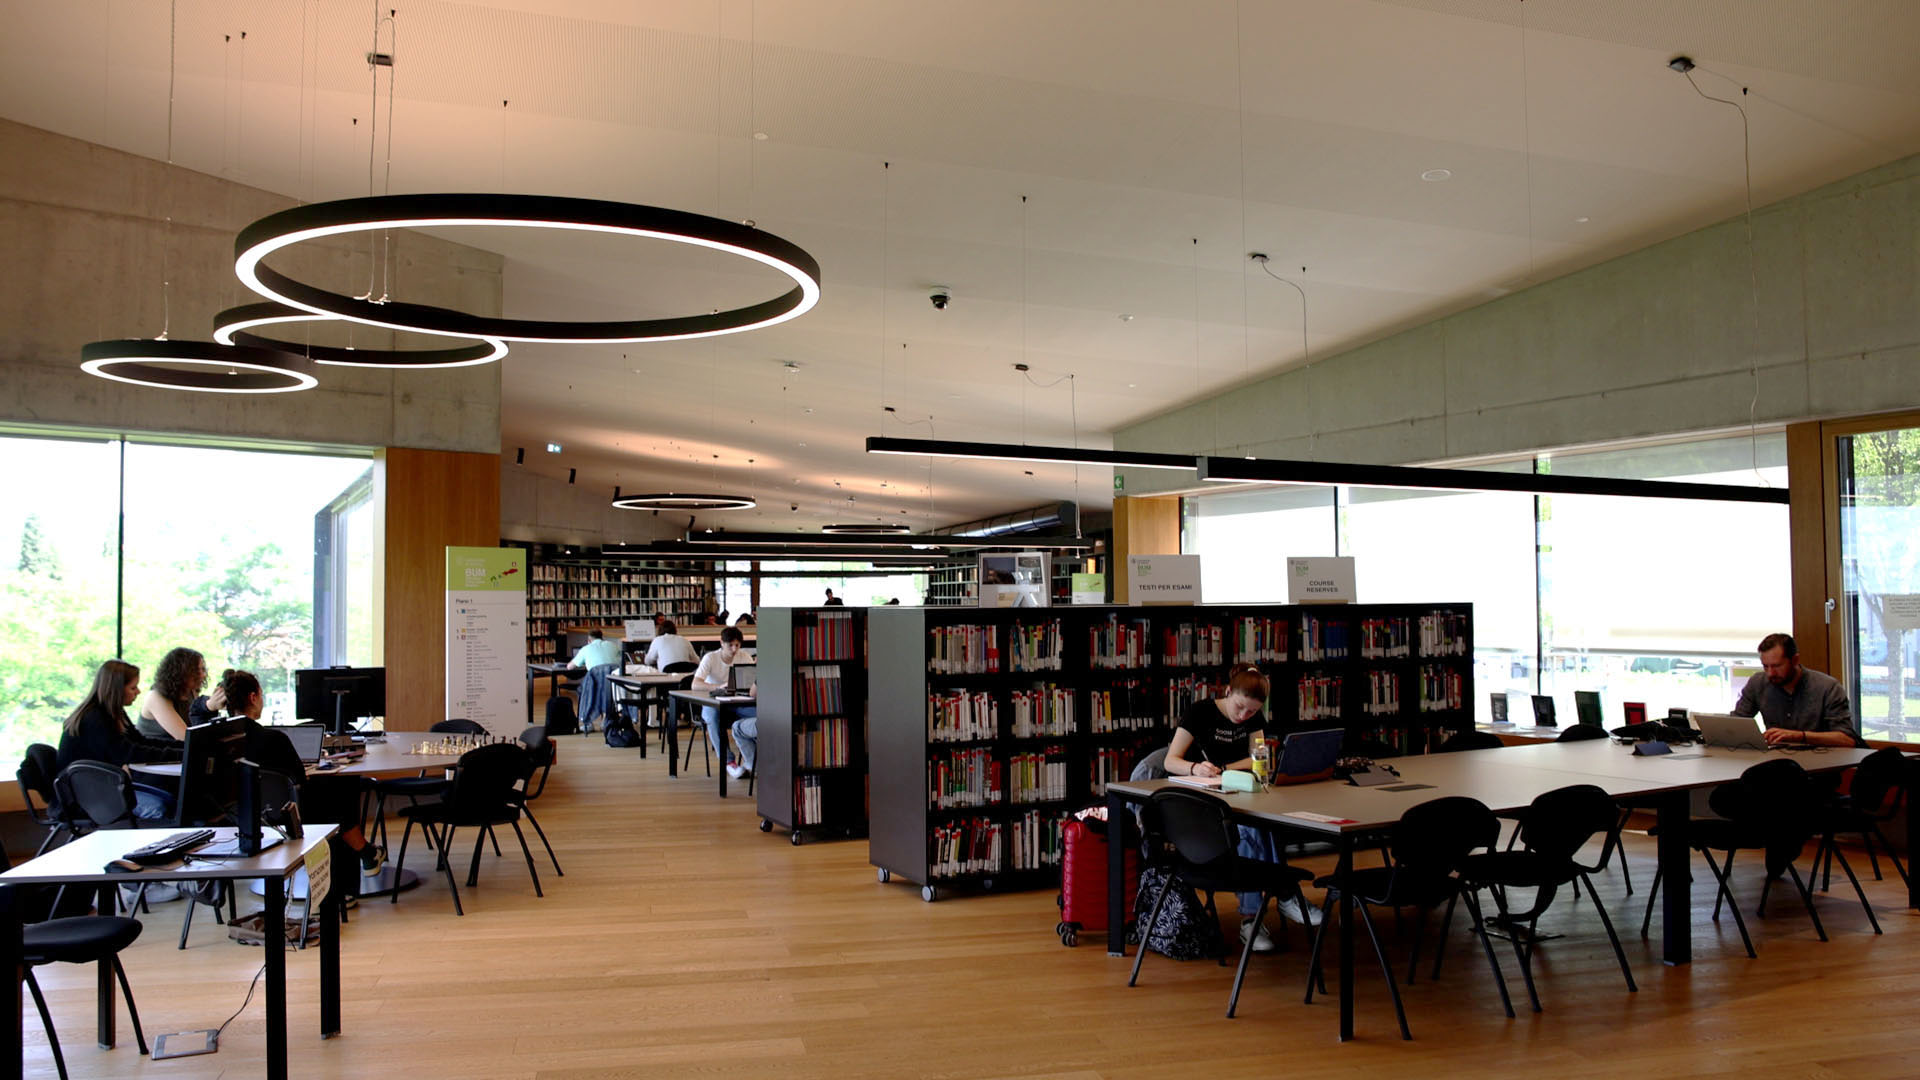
[181,675]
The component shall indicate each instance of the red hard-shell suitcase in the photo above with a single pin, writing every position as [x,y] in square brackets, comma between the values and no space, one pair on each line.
[1083,881]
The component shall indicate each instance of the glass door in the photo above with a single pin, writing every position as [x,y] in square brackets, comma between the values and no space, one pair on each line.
[1879,497]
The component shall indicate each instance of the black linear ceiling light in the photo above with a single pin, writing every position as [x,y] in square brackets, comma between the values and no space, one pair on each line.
[894,541]
[669,549]
[1329,473]
[873,529]
[1062,455]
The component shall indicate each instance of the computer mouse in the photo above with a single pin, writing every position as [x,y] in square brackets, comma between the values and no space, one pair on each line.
[123,866]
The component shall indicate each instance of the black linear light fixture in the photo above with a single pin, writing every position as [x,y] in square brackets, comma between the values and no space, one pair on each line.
[895,541]
[1062,455]
[669,549]
[1329,473]
[379,213]
[878,528]
[683,500]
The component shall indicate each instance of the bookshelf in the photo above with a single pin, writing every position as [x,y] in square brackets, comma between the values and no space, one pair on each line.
[570,589]
[989,727]
[810,767]
[956,583]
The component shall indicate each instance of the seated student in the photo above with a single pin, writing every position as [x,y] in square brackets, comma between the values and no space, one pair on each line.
[746,737]
[98,730]
[711,676]
[598,657]
[670,648]
[597,652]
[333,800]
[745,619]
[169,708]
[1217,734]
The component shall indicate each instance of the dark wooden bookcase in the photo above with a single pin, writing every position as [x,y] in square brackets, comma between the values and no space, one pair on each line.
[810,767]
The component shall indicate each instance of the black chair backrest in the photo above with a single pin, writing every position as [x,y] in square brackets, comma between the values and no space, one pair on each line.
[1471,740]
[1582,733]
[457,727]
[1775,797]
[680,667]
[36,780]
[1198,826]
[1880,773]
[1151,767]
[536,741]
[1435,837]
[483,781]
[101,792]
[1560,822]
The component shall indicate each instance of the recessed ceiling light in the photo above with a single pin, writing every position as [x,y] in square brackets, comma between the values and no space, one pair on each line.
[760,135]
[1582,220]
[1434,176]
[553,448]
[802,446]
[1133,386]
[1125,317]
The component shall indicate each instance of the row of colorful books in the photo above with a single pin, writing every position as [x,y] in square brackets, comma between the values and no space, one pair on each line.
[1126,707]
[594,575]
[1322,639]
[1181,693]
[1193,645]
[822,744]
[962,716]
[963,778]
[1320,697]
[1038,777]
[1111,765]
[1035,840]
[1442,689]
[1444,633]
[809,801]
[1117,645]
[817,689]
[1385,639]
[1044,710]
[963,650]
[966,846]
[1383,693]
[1259,640]
[825,635]
[1034,646]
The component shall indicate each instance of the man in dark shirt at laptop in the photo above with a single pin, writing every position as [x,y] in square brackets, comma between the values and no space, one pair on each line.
[1801,706]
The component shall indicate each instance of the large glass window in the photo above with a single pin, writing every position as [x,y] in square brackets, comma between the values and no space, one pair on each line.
[1659,601]
[223,552]
[1879,476]
[857,590]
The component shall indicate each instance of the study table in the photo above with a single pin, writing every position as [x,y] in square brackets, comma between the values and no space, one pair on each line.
[688,700]
[553,673]
[1507,778]
[644,687]
[81,862]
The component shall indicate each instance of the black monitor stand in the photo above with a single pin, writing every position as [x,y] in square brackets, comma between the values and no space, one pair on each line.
[340,709]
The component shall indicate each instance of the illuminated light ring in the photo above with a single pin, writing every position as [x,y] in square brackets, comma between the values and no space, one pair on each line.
[671,500]
[235,326]
[242,369]
[383,212]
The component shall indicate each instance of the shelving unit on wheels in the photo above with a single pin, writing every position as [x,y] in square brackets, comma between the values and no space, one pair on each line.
[989,727]
[811,766]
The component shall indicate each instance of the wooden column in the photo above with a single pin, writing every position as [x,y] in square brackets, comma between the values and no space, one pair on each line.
[1807,473]
[432,500]
[1142,525]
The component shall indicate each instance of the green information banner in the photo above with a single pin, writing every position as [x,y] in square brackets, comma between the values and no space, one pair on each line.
[477,569]
[487,637]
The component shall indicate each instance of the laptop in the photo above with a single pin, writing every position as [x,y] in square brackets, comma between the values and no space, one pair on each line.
[308,741]
[1309,753]
[1730,732]
[739,682]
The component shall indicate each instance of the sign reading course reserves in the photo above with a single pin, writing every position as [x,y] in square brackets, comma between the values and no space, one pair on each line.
[487,636]
[1163,579]
[1320,580]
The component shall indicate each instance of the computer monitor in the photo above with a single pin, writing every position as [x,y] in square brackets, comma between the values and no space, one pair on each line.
[209,771]
[340,696]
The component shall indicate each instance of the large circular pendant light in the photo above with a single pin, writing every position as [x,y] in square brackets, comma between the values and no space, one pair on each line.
[198,365]
[671,500]
[380,213]
[242,325]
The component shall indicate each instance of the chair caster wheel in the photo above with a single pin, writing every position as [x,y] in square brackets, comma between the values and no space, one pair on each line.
[794,839]
[765,825]
[885,876]
[927,893]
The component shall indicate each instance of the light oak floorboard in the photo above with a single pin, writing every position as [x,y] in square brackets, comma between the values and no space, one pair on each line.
[683,942]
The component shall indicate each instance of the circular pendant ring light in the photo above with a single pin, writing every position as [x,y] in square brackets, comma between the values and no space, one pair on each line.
[227,369]
[874,528]
[384,212]
[237,326]
[683,501]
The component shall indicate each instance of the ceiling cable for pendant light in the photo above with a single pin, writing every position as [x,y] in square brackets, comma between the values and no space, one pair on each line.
[201,366]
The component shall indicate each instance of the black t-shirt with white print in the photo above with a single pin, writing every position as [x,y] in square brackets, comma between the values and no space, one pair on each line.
[1215,738]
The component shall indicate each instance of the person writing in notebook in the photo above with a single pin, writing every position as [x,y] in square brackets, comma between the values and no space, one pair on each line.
[1217,734]
[1801,706]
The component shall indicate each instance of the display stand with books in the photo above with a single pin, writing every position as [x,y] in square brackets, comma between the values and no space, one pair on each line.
[811,762]
[989,727]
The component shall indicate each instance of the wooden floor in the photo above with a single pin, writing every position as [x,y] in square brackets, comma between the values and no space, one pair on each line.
[684,942]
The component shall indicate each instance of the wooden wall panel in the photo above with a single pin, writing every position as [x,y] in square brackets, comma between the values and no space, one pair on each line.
[433,500]
[1807,533]
[1142,526]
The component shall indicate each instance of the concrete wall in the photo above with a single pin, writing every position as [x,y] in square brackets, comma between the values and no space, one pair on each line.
[541,508]
[83,246]
[1652,343]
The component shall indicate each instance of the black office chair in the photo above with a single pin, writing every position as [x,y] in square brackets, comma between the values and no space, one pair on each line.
[81,939]
[678,667]
[1581,733]
[1557,825]
[1469,740]
[1878,794]
[481,796]
[35,777]
[458,726]
[1204,856]
[104,794]
[415,788]
[1425,849]
[539,759]
[1773,808]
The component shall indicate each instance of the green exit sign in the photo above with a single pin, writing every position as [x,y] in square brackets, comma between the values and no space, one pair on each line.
[1119,482]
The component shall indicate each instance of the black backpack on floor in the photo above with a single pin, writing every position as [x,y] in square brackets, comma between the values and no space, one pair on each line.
[1184,930]
[560,717]
[620,733]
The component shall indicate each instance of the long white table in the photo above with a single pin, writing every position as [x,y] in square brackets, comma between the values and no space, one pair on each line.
[1508,778]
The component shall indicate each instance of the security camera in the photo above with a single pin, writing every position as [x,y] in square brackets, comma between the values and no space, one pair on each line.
[940,297]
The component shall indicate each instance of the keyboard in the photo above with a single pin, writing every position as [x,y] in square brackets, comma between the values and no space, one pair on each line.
[168,848]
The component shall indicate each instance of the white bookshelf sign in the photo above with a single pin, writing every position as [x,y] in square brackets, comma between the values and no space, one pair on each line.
[487,637]
[1163,579]
[1320,580]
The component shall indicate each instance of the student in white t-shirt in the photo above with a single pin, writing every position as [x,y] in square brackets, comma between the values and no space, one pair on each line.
[670,648]
[712,676]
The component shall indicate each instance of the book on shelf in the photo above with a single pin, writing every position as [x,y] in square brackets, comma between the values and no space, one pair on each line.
[1183,692]
[1383,693]
[958,778]
[1035,840]
[808,801]
[1443,633]
[1320,697]
[829,636]
[1034,646]
[1385,638]
[1039,776]
[962,716]
[965,846]
[1444,689]
[1192,645]
[1118,645]
[1259,640]
[821,744]
[963,650]
[1322,638]
[1111,765]
[1042,711]
[1125,706]
[817,689]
